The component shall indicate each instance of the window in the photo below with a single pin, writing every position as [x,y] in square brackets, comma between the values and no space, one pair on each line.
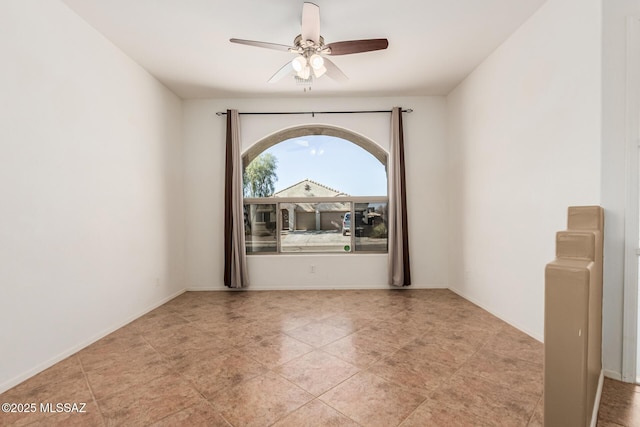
[315,193]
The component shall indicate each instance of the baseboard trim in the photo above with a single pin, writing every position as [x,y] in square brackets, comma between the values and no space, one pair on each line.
[60,357]
[596,403]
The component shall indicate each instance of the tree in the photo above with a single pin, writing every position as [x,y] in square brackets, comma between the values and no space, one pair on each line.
[259,176]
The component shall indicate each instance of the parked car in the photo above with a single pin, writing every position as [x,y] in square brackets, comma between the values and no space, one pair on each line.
[346,223]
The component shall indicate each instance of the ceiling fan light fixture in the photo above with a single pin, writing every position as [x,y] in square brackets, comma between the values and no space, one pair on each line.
[305,72]
[316,61]
[299,63]
[319,72]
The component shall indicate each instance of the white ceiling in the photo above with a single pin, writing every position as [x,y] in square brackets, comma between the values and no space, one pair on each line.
[433,44]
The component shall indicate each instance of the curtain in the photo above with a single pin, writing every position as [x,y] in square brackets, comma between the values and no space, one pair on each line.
[235,258]
[399,271]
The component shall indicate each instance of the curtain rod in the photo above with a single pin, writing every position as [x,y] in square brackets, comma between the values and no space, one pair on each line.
[313,113]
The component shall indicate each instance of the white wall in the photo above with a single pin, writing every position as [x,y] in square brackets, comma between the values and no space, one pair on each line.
[614,172]
[524,134]
[91,226]
[204,140]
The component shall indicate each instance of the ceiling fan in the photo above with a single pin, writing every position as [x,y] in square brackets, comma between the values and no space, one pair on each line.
[311,51]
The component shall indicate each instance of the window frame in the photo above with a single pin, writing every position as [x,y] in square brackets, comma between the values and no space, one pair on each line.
[288,200]
[300,131]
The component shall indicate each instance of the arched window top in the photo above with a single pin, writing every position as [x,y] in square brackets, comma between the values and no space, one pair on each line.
[314,129]
[333,160]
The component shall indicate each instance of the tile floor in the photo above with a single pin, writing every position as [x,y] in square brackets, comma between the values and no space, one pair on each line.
[307,358]
[619,405]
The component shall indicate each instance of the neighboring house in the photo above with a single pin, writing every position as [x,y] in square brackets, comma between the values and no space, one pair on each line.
[311,216]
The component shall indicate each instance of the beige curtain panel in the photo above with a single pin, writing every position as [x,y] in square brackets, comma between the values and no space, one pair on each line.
[399,271]
[235,258]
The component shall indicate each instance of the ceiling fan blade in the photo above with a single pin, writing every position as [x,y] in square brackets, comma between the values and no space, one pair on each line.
[357,46]
[334,72]
[310,22]
[274,46]
[286,70]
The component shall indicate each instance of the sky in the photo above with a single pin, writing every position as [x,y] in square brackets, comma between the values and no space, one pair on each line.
[334,162]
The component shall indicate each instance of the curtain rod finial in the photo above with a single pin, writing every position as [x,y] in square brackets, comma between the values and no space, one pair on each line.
[409,110]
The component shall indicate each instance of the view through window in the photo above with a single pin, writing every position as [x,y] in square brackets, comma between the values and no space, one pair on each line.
[315,194]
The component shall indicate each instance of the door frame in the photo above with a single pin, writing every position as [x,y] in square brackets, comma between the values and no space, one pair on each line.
[632,215]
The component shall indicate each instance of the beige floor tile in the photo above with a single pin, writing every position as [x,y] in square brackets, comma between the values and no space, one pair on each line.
[537,419]
[474,317]
[350,321]
[317,334]
[360,350]
[276,350]
[372,401]
[316,414]
[392,333]
[620,403]
[291,319]
[512,342]
[475,337]
[317,372]
[183,337]
[511,373]
[260,401]
[124,371]
[431,413]
[150,402]
[200,414]
[609,424]
[239,335]
[486,399]
[446,350]
[119,343]
[222,323]
[424,317]
[418,374]
[210,373]
[182,359]
[197,312]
